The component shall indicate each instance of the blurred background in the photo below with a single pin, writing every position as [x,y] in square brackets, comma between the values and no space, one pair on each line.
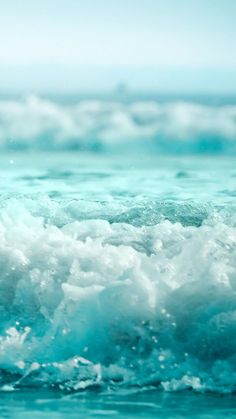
[99,73]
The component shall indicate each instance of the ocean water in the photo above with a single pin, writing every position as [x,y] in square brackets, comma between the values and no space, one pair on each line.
[117,256]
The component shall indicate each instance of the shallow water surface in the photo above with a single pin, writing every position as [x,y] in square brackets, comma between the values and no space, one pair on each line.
[143,405]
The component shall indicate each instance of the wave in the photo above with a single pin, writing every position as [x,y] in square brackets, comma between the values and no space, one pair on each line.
[172,127]
[97,303]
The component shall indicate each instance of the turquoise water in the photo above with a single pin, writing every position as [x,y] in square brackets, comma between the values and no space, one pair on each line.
[151,405]
[118,275]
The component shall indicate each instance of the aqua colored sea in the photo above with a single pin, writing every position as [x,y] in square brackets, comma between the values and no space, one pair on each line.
[117,258]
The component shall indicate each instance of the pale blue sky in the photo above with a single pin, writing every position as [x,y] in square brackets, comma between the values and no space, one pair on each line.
[150,44]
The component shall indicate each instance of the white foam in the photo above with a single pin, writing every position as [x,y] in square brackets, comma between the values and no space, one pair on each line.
[87,304]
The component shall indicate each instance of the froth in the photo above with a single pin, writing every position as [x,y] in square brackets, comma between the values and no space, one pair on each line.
[94,303]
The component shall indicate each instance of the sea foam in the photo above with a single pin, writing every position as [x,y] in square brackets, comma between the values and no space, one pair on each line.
[96,303]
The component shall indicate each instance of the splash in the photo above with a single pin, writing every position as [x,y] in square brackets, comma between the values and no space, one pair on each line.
[95,303]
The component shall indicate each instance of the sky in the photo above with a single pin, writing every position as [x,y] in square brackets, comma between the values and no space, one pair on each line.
[168,45]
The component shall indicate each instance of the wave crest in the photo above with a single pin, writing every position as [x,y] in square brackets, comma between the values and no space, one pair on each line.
[174,127]
[97,304]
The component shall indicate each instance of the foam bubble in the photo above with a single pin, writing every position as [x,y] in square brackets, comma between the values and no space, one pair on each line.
[94,304]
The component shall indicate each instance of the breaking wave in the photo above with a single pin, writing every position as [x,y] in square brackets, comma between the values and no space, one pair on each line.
[93,303]
[171,127]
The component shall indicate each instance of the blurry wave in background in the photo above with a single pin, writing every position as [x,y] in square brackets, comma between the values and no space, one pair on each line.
[166,125]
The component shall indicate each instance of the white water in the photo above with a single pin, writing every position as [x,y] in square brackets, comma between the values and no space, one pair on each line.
[175,126]
[98,303]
